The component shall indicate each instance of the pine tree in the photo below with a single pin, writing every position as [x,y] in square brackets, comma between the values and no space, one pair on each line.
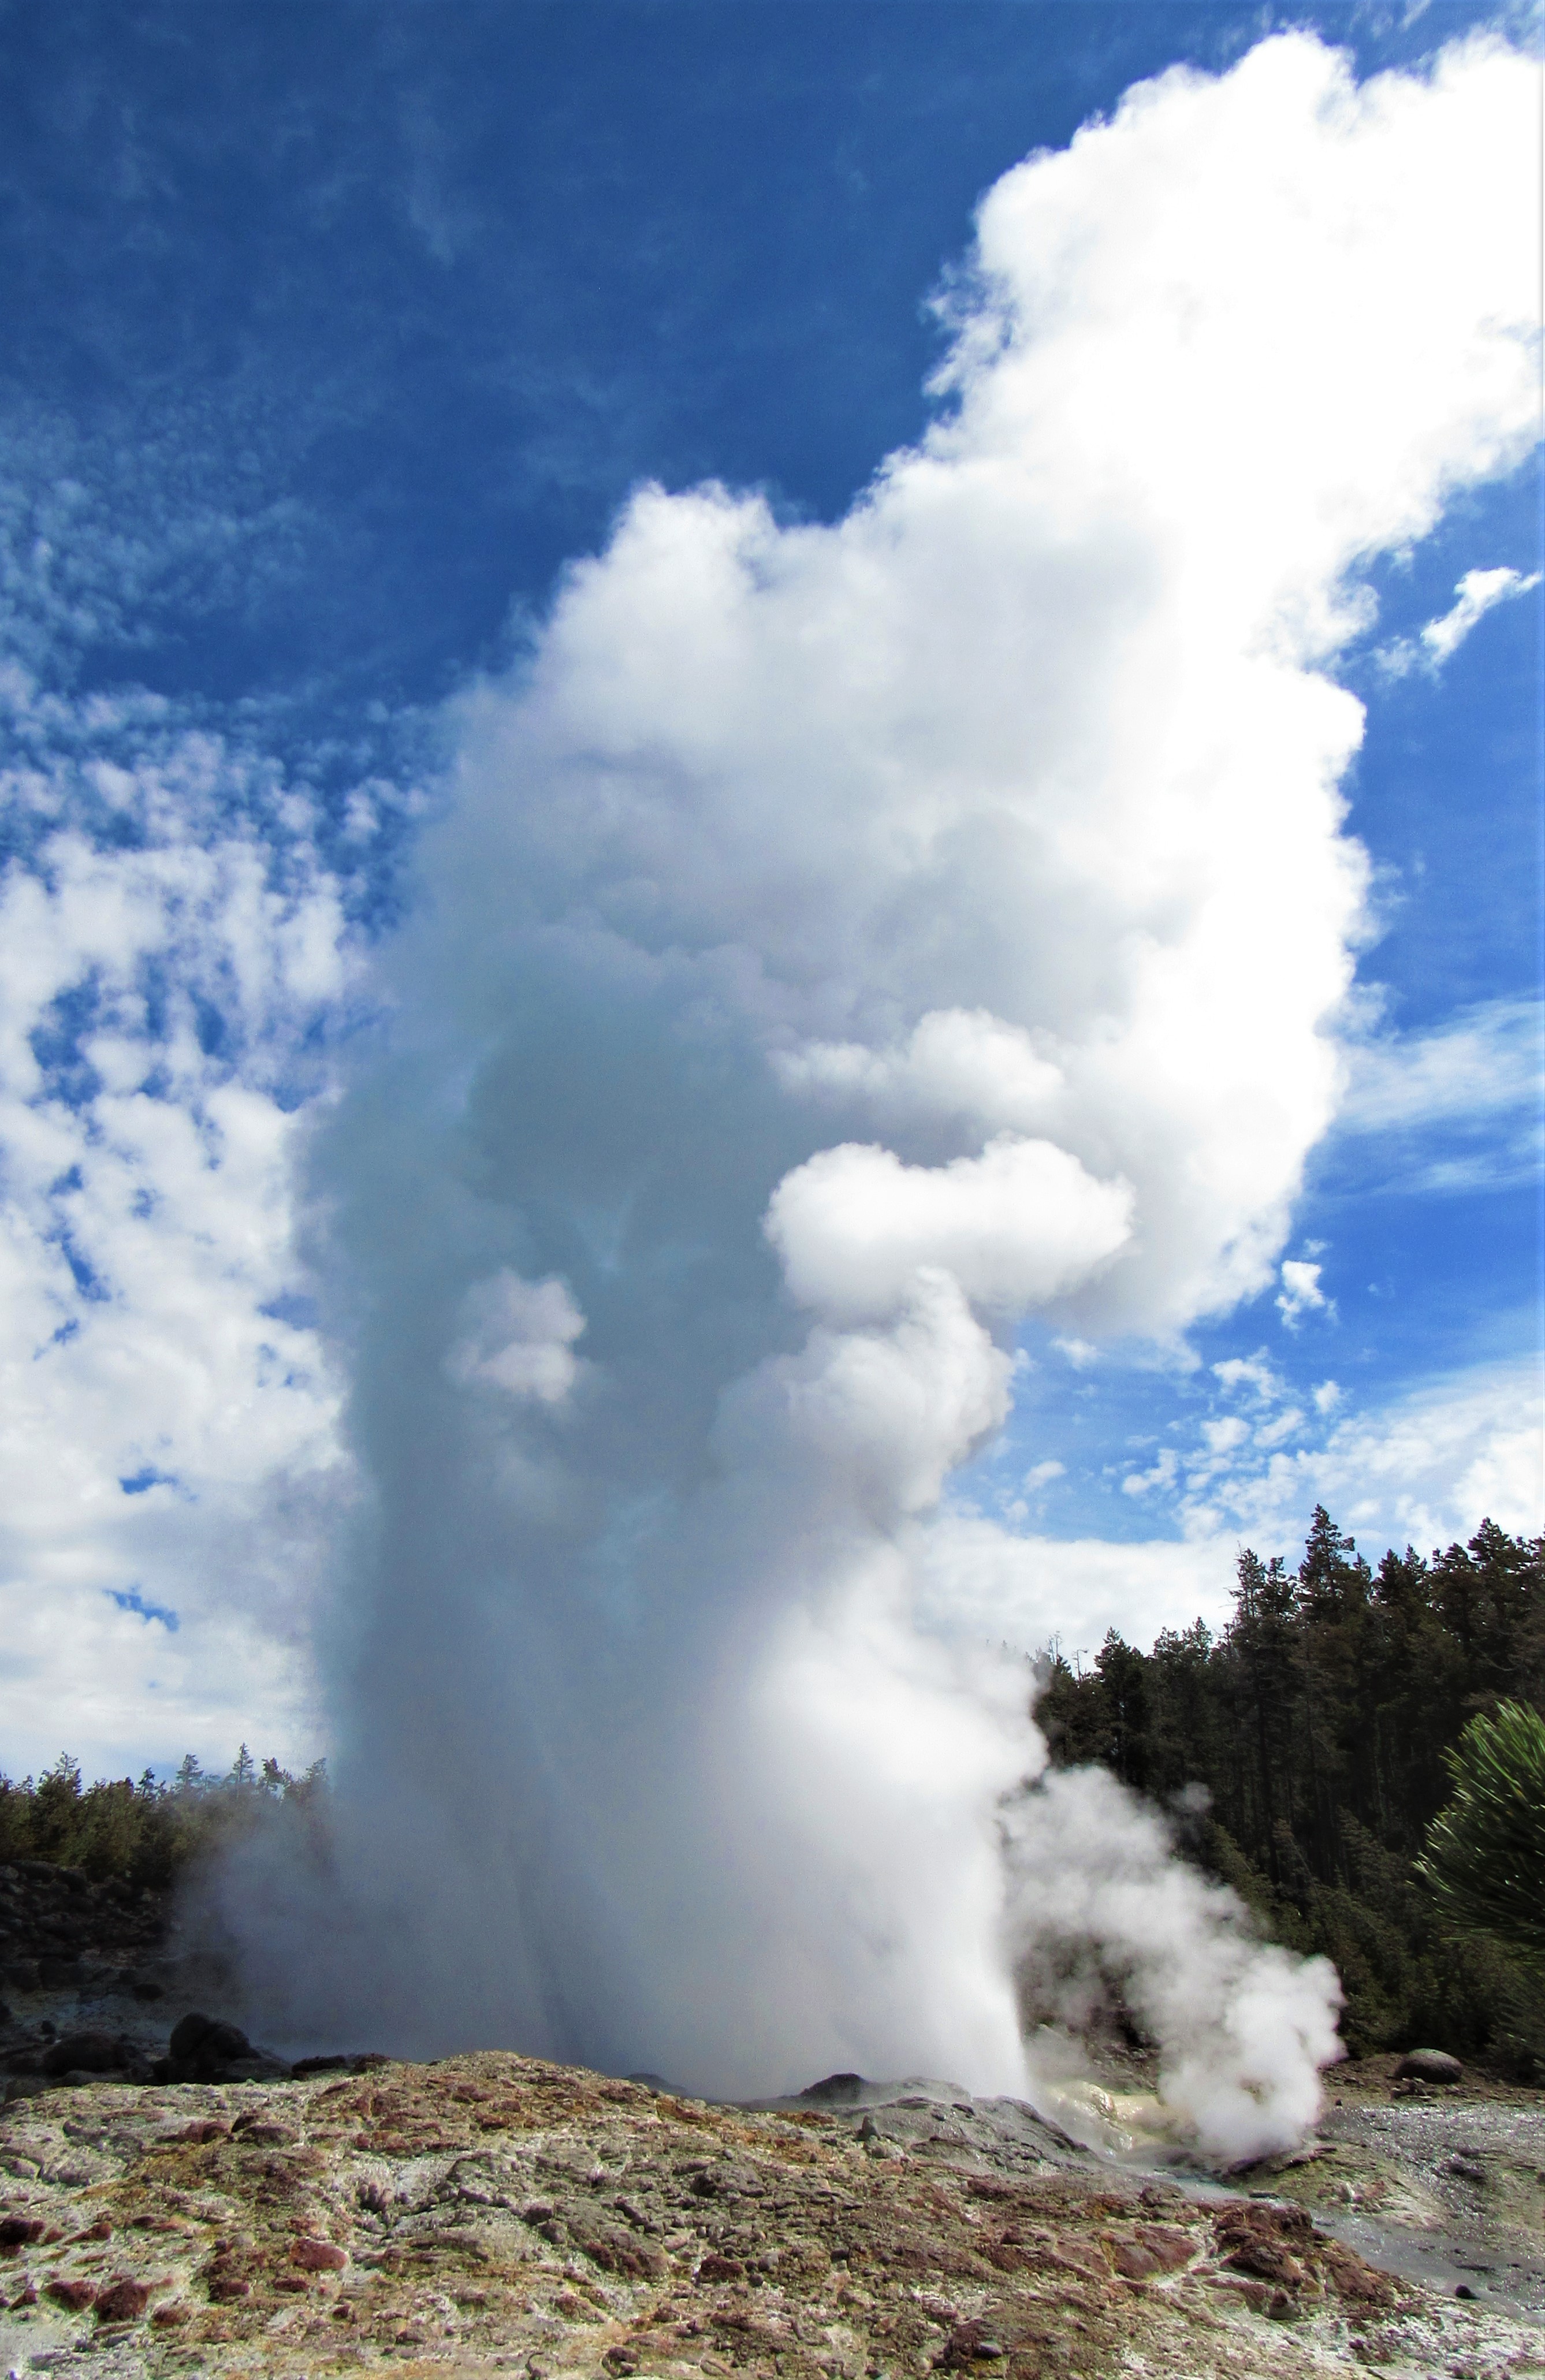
[1485,1859]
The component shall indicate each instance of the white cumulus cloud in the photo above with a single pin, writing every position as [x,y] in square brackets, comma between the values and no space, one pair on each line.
[1301,1292]
[518,1337]
[170,1435]
[1015,1226]
[1478,592]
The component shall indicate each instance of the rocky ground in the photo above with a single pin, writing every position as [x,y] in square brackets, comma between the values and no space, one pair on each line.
[172,2201]
[1442,2187]
[491,2213]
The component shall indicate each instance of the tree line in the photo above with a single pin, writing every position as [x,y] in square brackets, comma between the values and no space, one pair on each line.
[1321,1724]
[148,1832]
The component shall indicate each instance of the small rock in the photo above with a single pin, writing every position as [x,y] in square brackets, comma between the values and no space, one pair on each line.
[19,2231]
[123,2300]
[970,2342]
[76,2296]
[1429,2066]
[207,2128]
[317,2256]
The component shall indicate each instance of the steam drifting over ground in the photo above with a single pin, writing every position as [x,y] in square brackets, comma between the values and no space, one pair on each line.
[839,942]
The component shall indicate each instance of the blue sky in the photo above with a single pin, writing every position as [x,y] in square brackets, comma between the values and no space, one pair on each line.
[337,335]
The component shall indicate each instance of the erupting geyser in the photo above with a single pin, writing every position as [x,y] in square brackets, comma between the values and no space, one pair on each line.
[838,941]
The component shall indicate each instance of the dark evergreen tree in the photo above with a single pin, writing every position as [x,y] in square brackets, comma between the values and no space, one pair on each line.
[1315,1727]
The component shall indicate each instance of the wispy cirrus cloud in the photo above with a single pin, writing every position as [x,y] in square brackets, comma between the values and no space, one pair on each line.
[1459,1107]
[1487,1061]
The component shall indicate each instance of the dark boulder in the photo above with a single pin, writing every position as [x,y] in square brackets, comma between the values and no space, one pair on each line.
[208,2049]
[88,2053]
[836,2091]
[1429,2066]
[199,2037]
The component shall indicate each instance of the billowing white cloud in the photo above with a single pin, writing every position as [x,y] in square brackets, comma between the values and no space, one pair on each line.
[983,1582]
[958,1067]
[1015,1226]
[840,939]
[1023,770]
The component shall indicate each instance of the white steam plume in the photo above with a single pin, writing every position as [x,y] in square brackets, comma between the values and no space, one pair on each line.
[1098,1905]
[1002,818]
